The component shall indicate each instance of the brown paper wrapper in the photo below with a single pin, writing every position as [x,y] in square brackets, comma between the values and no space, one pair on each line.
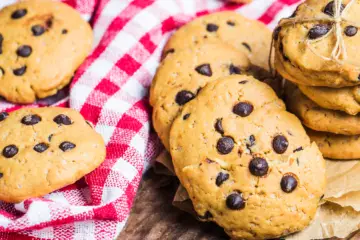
[338,217]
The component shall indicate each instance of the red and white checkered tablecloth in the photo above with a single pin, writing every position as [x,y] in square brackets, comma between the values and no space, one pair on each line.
[111,90]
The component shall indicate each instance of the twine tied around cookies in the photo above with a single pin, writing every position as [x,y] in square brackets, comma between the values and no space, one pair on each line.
[339,52]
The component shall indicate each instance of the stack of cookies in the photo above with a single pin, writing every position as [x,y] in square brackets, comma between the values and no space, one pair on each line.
[246,163]
[42,43]
[317,50]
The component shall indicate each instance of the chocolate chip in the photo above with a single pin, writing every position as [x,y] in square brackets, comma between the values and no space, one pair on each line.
[330,8]
[66,146]
[62,119]
[31,119]
[50,137]
[37,30]
[183,97]
[247,46]
[288,183]
[319,30]
[10,151]
[258,167]
[186,116]
[235,201]
[298,149]
[230,23]
[64,31]
[280,144]
[221,177]
[276,33]
[41,147]
[2,71]
[234,70]
[3,116]
[251,142]
[19,71]
[225,145]
[204,69]
[243,109]
[1,175]
[49,22]
[350,31]
[18,13]
[210,27]
[24,51]
[219,127]
[243,82]
[207,215]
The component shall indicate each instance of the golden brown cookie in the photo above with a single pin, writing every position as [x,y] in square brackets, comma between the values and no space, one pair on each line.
[183,73]
[343,99]
[334,146]
[250,36]
[317,118]
[42,43]
[246,163]
[44,149]
[304,45]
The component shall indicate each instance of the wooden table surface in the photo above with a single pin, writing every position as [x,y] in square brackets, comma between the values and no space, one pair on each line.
[153,217]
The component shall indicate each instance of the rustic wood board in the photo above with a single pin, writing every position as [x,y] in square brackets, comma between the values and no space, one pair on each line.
[153,217]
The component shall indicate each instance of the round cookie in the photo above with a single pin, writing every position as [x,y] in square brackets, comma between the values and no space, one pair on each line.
[317,118]
[302,45]
[334,146]
[246,163]
[182,74]
[343,99]
[42,43]
[44,149]
[250,36]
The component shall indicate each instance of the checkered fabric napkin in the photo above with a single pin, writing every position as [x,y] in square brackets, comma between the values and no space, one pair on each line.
[110,89]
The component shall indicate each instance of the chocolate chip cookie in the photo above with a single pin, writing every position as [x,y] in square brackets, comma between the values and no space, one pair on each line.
[181,76]
[317,118]
[250,36]
[308,51]
[335,146]
[42,43]
[343,99]
[44,149]
[246,163]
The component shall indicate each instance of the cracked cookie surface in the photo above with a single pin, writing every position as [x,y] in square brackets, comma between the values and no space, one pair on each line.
[44,149]
[246,163]
[303,45]
[42,43]
[317,118]
[249,36]
[181,76]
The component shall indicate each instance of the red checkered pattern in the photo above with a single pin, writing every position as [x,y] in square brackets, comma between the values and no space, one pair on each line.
[110,89]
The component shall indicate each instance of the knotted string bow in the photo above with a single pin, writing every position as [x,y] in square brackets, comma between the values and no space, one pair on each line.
[339,52]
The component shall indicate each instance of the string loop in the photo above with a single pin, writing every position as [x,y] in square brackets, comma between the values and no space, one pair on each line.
[339,52]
